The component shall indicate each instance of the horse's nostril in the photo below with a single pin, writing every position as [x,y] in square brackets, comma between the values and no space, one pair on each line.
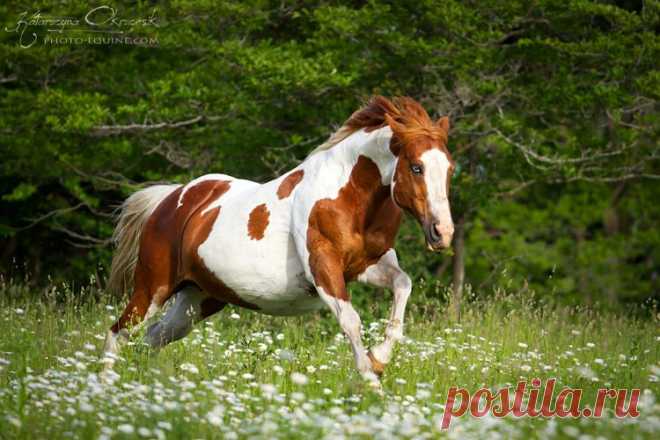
[435,233]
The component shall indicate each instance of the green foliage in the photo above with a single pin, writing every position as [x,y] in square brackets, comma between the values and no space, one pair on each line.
[553,106]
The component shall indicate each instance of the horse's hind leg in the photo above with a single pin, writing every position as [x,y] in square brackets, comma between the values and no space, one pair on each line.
[144,303]
[191,305]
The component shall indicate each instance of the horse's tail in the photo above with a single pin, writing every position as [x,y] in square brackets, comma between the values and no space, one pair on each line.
[135,211]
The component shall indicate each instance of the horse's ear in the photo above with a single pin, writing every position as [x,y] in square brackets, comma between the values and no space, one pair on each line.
[443,123]
[397,127]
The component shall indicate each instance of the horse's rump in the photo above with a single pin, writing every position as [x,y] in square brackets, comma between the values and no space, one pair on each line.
[134,214]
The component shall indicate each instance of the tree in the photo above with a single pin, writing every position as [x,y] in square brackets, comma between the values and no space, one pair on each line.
[553,107]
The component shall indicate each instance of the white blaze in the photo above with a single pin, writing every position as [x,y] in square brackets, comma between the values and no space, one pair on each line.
[436,167]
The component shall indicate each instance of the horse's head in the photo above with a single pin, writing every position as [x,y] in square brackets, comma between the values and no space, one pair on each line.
[420,183]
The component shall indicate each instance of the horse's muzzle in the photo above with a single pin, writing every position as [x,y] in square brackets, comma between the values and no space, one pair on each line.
[437,236]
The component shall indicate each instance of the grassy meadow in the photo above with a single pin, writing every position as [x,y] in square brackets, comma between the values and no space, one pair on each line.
[244,375]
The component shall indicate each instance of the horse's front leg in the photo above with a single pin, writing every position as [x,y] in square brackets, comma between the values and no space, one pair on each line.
[387,273]
[331,287]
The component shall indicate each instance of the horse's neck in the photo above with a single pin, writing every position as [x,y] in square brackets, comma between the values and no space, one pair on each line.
[373,165]
[362,161]
[374,145]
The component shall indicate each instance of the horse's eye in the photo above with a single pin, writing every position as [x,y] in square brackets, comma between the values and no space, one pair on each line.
[416,169]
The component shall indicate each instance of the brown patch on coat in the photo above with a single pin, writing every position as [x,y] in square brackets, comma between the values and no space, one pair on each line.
[168,255]
[347,234]
[377,366]
[410,191]
[289,183]
[258,222]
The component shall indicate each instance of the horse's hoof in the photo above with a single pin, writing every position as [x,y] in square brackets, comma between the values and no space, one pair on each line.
[377,366]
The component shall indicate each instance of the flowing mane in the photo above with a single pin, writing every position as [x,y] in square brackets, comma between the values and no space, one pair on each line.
[371,116]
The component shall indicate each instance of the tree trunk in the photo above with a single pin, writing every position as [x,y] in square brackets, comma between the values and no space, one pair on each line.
[458,278]
[612,222]
[442,268]
[583,279]
[9,249]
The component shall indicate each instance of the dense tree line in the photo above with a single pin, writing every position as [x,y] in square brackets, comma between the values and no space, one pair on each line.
[553,106]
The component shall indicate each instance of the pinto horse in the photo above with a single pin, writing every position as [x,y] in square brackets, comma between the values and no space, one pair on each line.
[291,245]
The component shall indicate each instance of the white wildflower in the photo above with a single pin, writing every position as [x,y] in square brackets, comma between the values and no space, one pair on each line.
[299,378]
[14,421]
[268,389]
[190,368]
[214,417]
[423,394]
[286,355]
[125,428]
[586,372]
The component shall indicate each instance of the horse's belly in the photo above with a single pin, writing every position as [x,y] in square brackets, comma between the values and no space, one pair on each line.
[286,304]
[266,273]
[274,292]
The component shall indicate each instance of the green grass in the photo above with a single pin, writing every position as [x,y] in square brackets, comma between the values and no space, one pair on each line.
[232,377]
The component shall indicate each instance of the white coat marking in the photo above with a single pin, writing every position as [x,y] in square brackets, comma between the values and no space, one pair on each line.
[436,167]
[387,273]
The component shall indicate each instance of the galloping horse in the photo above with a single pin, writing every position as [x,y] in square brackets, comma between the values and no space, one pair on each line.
[291,245]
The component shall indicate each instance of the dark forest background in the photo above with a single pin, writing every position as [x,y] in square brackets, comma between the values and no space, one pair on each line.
[553,106]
